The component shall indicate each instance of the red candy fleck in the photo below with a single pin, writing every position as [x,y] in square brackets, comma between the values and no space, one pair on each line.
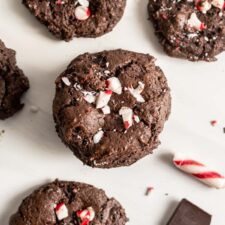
[202,26]
[85,216]
[126,124]
[108,92]
[164,16]
[85,222]
[213,123]
[198,5]
[88,12]
[107,83]
[59,206]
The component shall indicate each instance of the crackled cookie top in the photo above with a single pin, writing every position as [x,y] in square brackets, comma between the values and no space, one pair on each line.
[110,107]
[13,83]
[69,203]
[191,29]
[66,19]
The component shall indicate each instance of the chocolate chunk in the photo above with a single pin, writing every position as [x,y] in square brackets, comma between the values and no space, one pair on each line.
[189,214]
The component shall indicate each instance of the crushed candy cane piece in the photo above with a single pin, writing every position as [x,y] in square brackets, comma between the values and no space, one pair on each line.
[194,22]
[127,115]
[66,81]
[192,35]
[213,123]
[106,72]
[84,3]
[136,118]
[103,99]
[86,215]
[106,110]
[114,85]
[82,13]
[203,6]
[98,136]
[218,3]
[61,211]
[137,92]
[89,96]
[77,87]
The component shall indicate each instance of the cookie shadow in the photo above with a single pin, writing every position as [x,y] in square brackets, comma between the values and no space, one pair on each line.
[167,158]
[147,26]
[15,201]
[24,14]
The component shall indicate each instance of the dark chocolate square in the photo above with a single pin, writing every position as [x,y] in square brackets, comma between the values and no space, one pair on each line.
[189,214]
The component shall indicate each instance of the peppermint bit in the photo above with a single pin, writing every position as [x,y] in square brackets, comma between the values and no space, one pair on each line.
[82,13]
[114,85]
[66,81]
[213,122]
[103,99]
[98,136]
[59,2]
[137,92]
[149,190]
[86,215]
[61,211]
[127,115]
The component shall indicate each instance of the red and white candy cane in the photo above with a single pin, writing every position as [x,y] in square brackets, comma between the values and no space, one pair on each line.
[199,171]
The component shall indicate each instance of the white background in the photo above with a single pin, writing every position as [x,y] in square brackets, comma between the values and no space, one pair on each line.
[31,153]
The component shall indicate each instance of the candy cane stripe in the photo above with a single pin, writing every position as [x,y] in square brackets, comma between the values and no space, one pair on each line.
[199,171]
[207,175]
[187,162]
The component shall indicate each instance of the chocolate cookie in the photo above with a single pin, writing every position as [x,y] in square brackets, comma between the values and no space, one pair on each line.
[13,83]
[69,203]
[190,29]
[110,107]
[66,19]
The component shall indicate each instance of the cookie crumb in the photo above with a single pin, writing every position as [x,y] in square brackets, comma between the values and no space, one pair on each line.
[34,109]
